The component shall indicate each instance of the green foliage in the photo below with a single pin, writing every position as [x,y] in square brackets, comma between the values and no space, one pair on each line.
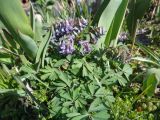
[18,25]
[105,84]
[117,23]
[78,88]
[107,18]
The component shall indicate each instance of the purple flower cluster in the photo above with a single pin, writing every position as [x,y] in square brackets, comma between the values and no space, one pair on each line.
[69,26]
[67,35]
[67,47]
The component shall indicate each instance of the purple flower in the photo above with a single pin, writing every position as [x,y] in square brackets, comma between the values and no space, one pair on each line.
[86,48]
[67,47]
[68,27]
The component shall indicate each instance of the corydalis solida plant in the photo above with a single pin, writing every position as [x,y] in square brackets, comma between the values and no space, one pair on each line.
[75,35]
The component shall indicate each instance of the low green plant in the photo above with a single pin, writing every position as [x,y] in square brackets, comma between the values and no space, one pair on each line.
[77,88]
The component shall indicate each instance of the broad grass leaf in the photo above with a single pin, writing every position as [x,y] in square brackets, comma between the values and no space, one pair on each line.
[15,20]
[145,60]
[149,84]
[100,11]
[151,81]
[150,52]
[116,24]
[42,47]
[107,17]
[45,45]
[28,44]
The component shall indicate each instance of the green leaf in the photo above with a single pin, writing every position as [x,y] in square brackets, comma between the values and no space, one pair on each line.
[151,81]
[66,95]
[97,105]
[76,93]
[76,66]
[1,42]
[150,52]
[73,114]
[80,117]
[92,88]
[67,104]
[9,39]
[85,72]
[141,7]
[100,11]
[145,60]
[107,18]
[59,63]
[54,106]
[1,25]
[127,70]
[28,44]
[49,73]
[102,115]
[47,37]
[15,20]
[64,78]
[5,58]
[116,24]
[42,47]
[100,92]
[122,81]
